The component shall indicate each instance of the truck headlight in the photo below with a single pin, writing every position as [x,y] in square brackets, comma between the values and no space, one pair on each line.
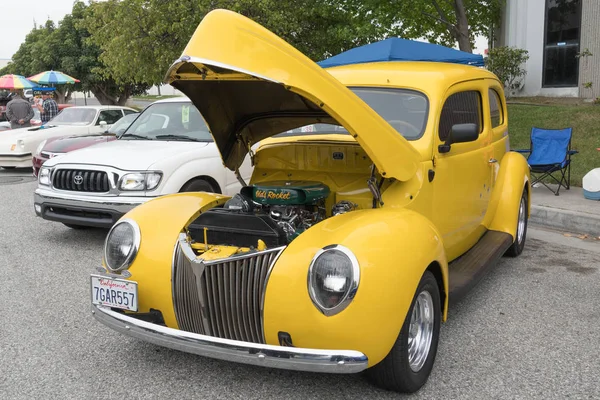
[21,144]
[121,245]
[44,177]
[333,278]
[140,181]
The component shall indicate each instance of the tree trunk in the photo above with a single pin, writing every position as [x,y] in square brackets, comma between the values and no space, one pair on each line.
[103,97]
[462,27]
[59,96]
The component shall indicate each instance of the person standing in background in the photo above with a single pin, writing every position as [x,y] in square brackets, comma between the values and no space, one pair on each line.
[48,108]
[19,111]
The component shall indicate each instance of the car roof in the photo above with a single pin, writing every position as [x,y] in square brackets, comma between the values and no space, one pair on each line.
[103,107]
[427,76]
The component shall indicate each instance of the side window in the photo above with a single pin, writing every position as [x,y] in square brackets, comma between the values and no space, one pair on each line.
[127,112]
[495,108]
[110,116]
[460,108]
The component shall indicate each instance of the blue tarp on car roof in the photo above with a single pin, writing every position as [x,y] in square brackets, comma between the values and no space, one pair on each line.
[397,49]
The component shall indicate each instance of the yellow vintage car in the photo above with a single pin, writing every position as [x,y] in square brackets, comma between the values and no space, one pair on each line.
[381,193]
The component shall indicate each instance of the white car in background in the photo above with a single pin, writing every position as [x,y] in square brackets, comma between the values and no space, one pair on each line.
[167,149]
[18,145]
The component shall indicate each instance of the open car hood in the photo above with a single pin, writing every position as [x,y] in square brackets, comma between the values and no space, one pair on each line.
[249,85]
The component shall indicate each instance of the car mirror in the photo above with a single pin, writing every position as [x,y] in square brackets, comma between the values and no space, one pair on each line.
[102,123]
[460,133]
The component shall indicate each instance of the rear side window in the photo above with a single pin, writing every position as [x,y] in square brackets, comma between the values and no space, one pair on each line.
[460,108]
[110,116]
[495,109]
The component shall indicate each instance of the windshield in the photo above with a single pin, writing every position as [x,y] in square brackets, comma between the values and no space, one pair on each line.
[169,121]
[74,116]
[405,110]
[121,125]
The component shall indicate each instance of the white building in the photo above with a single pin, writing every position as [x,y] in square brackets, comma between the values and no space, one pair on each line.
[563,41]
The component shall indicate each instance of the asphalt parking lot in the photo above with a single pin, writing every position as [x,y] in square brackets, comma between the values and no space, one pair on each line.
[530,330]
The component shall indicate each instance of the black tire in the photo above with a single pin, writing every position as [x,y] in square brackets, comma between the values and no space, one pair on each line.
[198,185]
[394,371]
[517,247]
[74,226]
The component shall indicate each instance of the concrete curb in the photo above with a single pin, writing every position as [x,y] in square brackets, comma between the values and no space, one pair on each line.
[565,220]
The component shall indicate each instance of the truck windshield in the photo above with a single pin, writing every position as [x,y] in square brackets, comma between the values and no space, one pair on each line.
[169,121]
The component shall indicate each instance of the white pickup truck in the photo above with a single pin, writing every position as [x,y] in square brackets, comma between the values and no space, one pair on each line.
[167,149]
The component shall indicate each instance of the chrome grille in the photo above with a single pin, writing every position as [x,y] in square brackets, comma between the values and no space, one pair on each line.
[222,298]
[80,180]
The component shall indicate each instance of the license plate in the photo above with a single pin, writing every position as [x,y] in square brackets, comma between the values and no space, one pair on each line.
[117,293]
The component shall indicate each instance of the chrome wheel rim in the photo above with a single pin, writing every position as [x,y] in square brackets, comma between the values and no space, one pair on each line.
[420,331]
[521,224]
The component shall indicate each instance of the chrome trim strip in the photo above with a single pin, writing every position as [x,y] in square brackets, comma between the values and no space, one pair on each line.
[264,355]
[263,294]
[349,295]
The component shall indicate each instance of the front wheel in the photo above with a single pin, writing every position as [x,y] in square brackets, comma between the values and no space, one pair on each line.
[519,243]
[408,365]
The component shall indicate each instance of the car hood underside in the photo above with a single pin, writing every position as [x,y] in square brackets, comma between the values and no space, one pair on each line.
[250,85]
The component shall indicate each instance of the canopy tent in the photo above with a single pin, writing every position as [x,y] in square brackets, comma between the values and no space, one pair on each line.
[397,49]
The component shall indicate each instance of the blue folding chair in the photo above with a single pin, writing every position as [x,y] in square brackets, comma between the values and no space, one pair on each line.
[549,154]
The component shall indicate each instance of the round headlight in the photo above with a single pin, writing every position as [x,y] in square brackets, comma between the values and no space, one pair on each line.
[121,245]
[333,278]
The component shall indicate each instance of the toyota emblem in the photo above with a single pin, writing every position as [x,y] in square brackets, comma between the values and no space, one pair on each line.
[78,179]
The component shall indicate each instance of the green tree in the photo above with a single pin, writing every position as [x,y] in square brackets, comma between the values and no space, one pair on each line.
[445,22]
[141,38]
[67,48]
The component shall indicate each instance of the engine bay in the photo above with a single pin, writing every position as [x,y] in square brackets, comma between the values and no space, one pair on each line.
[265,215]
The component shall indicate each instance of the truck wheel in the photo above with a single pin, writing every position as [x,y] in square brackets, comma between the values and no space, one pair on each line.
[517,247]
[198,185]
[408,365]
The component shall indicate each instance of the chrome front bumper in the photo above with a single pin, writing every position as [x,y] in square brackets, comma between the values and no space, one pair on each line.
[292,358]
[88,210]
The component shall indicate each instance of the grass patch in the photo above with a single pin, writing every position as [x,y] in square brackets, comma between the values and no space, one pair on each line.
[584,119]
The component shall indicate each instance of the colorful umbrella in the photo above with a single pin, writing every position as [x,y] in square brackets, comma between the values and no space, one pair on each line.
[52,77]
[11,81]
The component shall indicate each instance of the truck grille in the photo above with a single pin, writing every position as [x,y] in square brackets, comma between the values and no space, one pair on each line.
[80,180]
[221,298]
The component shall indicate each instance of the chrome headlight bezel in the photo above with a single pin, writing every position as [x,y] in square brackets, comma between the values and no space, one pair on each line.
[352,288]
[142,178]
[44,176]
[137,238]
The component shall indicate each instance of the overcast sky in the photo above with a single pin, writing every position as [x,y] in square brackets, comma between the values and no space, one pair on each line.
[17,17]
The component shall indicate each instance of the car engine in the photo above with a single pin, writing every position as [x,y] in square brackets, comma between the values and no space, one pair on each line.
[274,212]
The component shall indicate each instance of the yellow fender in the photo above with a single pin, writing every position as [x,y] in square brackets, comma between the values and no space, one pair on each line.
[512,177]
[394,247]
[160,221]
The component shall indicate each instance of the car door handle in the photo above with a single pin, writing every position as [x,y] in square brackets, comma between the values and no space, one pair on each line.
[492,160]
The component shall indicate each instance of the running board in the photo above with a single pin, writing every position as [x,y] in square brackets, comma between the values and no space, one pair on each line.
[466,271]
